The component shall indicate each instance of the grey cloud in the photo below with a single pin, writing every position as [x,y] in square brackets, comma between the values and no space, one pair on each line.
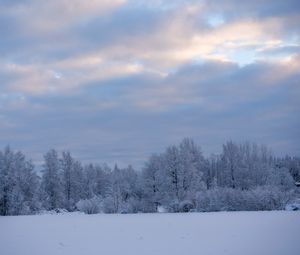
[126,133]
[126,117]
[256,8]
[122,23]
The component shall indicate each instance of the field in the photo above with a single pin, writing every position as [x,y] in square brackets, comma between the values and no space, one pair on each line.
[235,233]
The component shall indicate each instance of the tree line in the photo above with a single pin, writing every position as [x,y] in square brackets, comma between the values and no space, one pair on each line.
[244,176]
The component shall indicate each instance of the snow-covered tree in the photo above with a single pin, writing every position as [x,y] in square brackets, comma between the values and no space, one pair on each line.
[51,186]
[230,163]
[18,184]
[244,176]
[67,163]
[152,182]
[96,180]
[194,169]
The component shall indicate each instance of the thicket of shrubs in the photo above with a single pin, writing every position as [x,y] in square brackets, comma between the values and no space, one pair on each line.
[258,199]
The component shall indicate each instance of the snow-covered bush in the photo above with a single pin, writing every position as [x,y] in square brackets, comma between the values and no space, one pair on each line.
[280,177]
[53,212]
[90,206]
[173,206]
[109,205]
[186,206]
[132,205]
[293,205]
[180,206]
[228,199]
[268,198]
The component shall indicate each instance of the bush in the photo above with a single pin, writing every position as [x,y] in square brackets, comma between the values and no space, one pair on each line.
[173,206]
[132,205]
[90,206]
[258,199]
[180,206]
[186,206]
[293,205]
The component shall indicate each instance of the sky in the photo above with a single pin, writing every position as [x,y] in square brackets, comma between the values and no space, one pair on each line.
[117,80]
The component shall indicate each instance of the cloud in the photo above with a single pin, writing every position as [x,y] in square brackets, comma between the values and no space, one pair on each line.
[125,119]
[52,15]
[85,42]
[255,8]
[117,80]
[55,78]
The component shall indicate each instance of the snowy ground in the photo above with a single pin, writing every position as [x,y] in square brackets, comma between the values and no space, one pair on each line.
[239,233]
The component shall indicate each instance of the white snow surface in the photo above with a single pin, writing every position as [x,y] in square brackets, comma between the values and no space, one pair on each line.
[231,233]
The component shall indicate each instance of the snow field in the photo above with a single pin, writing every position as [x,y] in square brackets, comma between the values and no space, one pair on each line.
[234,233]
